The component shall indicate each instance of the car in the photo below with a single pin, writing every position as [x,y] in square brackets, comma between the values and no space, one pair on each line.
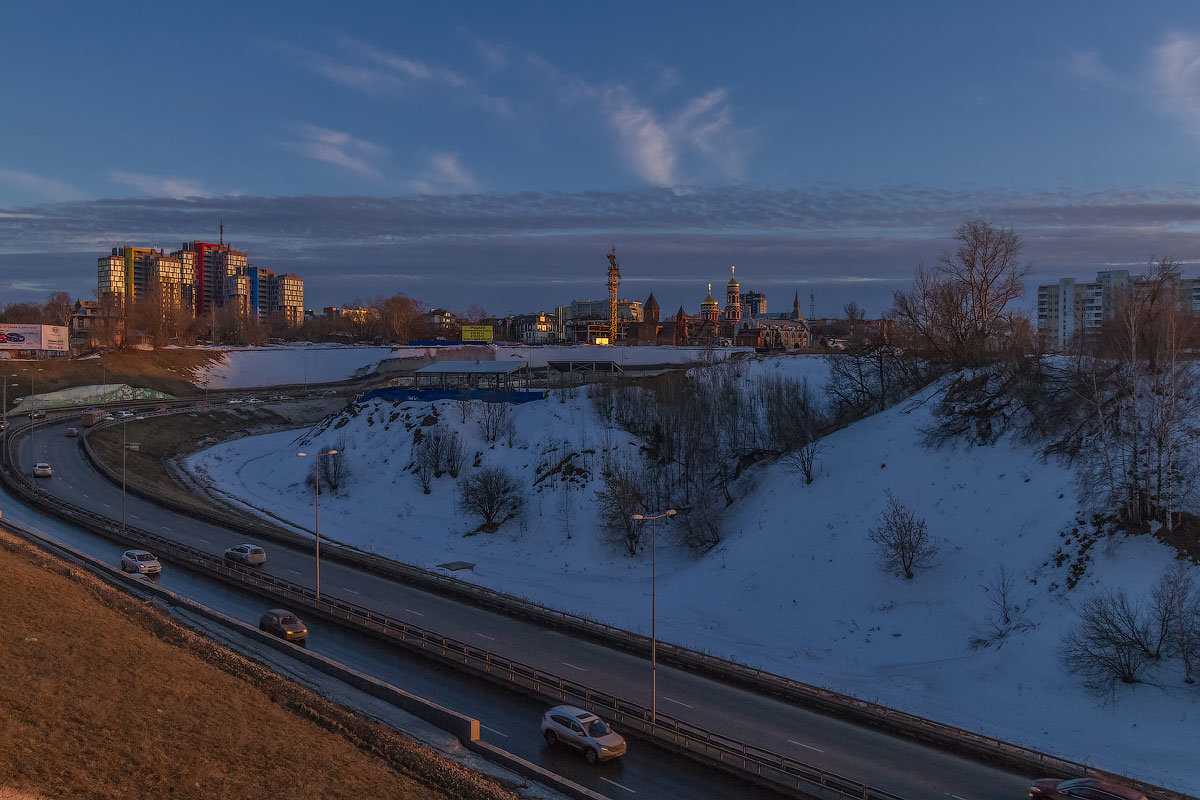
[42,470]
[584,731]
[284,624]
[39,414]
[1085,788]
[234,401]
[124,414]
[109,417]
[72,431]
[249,554]
[253,400]
[141,562]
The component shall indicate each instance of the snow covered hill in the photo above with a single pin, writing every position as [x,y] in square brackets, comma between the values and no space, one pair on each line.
[794,585]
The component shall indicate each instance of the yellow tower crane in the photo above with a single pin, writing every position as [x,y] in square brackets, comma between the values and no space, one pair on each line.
[614,280]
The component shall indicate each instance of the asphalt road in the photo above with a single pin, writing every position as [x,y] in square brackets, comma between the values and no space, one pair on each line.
[896,765]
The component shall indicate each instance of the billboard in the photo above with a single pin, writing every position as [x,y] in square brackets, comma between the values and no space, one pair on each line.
[477,333]
[33,337]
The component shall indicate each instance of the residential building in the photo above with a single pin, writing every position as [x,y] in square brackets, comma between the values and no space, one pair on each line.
[1069,312]
[538,328]
[754,303]
[441,322]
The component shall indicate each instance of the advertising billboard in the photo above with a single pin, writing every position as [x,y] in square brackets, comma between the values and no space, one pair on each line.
[477,333]
[33,337]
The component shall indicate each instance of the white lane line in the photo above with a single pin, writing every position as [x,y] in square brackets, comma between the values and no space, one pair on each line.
[493,730]
[351,591]
[418,613]
[295,572]
[676,702]
[485,636]
[809,746]
[572,666]
[198,539]
[619,786]
[956,797]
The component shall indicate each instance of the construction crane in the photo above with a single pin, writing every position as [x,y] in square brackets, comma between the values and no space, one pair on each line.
[614,280]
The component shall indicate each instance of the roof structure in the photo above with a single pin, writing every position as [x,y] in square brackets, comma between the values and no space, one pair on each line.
[477,367]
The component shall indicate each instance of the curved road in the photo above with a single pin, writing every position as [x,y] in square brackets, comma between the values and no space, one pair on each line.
[886,762]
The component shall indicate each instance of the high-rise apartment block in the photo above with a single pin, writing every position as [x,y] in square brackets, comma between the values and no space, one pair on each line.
[198,279]
[1069,312]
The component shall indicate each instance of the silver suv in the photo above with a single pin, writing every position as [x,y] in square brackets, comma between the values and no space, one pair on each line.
[248,554]
[584,731]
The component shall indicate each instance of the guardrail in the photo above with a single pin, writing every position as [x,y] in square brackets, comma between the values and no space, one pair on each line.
[826,701]
[774,769]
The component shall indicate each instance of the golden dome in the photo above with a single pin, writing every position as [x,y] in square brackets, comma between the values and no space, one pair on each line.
[732,280]
[709,301]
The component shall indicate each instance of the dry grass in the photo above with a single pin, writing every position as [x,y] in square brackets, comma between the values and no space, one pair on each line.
[170,371]
[105,697]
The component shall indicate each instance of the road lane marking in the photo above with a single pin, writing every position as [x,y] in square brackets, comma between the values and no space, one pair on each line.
[351,591]
[295,572]
[572,666]
[418,613]
[202,540]
[619,786]
[956,797]
[676,702]
[485,636]
[809,746]
[493,730]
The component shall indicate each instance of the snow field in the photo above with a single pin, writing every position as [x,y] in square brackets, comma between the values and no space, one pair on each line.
[794,586]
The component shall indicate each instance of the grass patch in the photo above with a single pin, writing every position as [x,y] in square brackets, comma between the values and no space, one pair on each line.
[107,697]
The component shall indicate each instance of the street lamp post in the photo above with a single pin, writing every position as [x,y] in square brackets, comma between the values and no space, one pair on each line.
[32,422]
[6,384]
[317,508]
[654,518]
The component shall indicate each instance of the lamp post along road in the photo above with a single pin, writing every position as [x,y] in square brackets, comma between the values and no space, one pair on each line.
[654,518]
[317,509]
[15,385]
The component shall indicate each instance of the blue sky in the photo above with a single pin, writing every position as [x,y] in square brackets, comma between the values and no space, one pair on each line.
[492,153]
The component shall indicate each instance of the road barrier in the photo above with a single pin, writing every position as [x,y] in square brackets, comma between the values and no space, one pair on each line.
[892,721]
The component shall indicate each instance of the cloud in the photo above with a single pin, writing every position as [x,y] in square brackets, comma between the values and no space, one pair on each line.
[159,186]
[1088,65]
[338,148]
[668,79]
[39,186]
[373,70]
[445,174]
[1176,71]
[647,145]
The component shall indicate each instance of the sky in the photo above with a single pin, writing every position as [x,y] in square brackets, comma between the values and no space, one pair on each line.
[491,154]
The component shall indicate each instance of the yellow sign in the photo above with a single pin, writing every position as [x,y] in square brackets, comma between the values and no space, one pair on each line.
[477,333]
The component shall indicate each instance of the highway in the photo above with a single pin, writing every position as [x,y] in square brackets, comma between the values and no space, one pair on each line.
[510,720]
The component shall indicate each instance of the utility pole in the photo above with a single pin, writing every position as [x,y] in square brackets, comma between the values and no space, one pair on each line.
[614,280]
[670,512]
[317,507]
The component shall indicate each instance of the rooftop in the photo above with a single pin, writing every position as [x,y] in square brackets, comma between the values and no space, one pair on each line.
[482,367]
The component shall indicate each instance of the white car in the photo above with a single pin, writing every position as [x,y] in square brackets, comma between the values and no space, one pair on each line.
[124,414]
[141,562]
[584,731]
[42,470]
[248,554]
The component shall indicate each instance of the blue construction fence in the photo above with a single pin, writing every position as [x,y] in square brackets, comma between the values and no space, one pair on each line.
[400,393]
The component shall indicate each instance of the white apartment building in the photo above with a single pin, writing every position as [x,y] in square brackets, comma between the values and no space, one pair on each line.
[1068,312]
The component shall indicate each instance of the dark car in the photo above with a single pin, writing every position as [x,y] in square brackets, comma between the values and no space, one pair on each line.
[284,624]
[15,338]
[1083,788]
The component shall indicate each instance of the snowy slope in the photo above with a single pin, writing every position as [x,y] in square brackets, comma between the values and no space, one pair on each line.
[271,366]
[794,586]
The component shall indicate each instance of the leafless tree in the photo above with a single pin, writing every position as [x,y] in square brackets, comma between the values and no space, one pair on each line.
[902,539]
[424,468]
[334,469]
[959,311]
[619,500]
[464,404]
[400,317]
[57,309]
[1185,639]
[1106,647]
[1000,588]
[493,419]
[454,454]
[492,493]
[1169,601]
[804,460]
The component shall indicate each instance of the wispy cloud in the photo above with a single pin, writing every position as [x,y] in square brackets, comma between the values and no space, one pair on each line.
[338,148]
[38,187]
[364,67]
[1088,65]
[158,185]
[664,148]
[1176,72]
[445,174]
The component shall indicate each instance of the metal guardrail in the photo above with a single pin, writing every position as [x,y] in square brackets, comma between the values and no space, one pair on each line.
[708,746]
[892,721]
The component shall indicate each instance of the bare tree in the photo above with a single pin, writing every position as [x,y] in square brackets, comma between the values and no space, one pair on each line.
[804,460]
[492,493]
[493,419]
[620,499]
[959,311]
[334,469]
[454,455]
[902,539]
[464,404]
[57,309]
[424,468]
[1169,600]
[1105,648]
[399,317]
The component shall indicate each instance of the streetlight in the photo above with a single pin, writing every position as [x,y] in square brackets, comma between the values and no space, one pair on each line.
[654,518]
[32,422]
[317,508]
